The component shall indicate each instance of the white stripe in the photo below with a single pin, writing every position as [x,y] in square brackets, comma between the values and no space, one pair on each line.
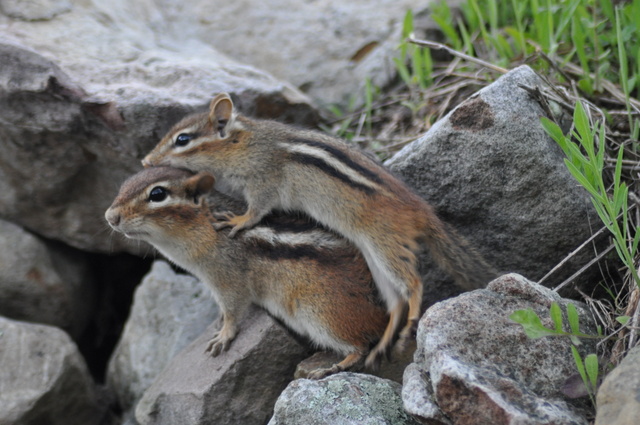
[318,238]
[330,160]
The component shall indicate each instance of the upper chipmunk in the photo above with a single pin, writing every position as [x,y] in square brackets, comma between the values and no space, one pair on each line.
[276,166]
[317,283]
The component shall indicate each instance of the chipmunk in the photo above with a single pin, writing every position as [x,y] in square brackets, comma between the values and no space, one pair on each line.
[317,283]
[276,166]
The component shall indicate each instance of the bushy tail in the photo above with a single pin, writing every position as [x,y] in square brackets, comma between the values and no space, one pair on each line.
[455,255]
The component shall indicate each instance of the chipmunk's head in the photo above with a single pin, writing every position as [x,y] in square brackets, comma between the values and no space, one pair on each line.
[199,139]
[160,205]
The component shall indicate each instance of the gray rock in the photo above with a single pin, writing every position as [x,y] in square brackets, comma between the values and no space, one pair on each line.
[474,365]
[34,10]
[239,386]
[342,399]
[490,170]
[169,311]
[618,397]
[86,94]
[418,398]
[43,378]
[43,282]
[326,48]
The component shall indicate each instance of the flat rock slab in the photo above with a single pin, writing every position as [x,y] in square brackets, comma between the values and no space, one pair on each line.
[327,48]
[239,386]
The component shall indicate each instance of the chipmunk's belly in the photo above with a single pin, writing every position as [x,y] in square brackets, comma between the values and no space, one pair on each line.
[302,321]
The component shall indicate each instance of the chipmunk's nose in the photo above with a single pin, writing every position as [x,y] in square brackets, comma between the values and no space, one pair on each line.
[112,217]
[146,162]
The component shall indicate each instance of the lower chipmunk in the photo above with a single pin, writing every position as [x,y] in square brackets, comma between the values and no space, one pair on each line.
[315,282]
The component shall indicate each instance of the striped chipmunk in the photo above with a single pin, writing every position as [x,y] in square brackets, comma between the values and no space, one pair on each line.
[277,166]
[316,282]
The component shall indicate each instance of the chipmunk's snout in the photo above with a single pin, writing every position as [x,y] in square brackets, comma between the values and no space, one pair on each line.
[112,217]
[146,162]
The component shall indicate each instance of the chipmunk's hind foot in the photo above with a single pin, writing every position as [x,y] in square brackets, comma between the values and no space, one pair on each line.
[384,347]
[349,362]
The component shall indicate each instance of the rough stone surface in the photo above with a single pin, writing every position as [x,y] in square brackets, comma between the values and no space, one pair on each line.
[342,399]
[618,398]
[43,282]
[418,398]
[169,312]
[43,378]
[477,366]
[34,10]
[327,48]
[239,386]
[490,170]
[86,94]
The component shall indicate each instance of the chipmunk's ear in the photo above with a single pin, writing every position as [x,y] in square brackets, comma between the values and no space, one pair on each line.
[221,113]
[199,185]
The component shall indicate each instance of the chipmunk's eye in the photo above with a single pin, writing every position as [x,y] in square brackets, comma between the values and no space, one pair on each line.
[184,138]
[158,194]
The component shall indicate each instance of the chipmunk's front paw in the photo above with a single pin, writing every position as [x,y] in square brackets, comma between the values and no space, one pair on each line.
[218,344]
[237,222]
[224,219]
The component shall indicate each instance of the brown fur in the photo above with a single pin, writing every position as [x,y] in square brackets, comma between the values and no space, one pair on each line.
[275,166]
[324,284]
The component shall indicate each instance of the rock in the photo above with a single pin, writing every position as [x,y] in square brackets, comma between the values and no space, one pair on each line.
[342,399]
[618,398]
[392,369]
[169,312]
[326,48]
[87,93]
[239,386]
[491,171]
[43,282]
[34,10]
[43,378]
[474,365]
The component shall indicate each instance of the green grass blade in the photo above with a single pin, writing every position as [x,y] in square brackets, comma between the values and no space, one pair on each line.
[556,316]
[403,71]
[574,320]
[583,128]
[591,366]
[578,37]
[428,66]
[553,130]
[577,174]
[565,17]
[580,366]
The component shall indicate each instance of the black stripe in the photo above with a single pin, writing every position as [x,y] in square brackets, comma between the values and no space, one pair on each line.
[328,169]
[342,157]
[290,223]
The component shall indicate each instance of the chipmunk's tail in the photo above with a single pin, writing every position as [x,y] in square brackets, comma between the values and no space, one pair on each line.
[455,255]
